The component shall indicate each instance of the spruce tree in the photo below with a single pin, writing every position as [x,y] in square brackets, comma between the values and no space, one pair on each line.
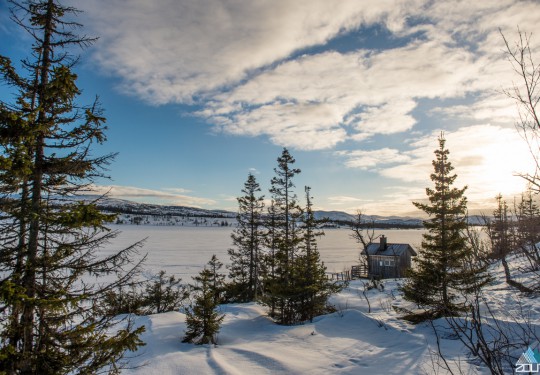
[528,228]
[295,284]
[244,270]
[56,317]
[163,294]
[217,279]
[282,289]
[502,235]
[311,271]
[500,230]
[269,264]
[202,318]
[443,270]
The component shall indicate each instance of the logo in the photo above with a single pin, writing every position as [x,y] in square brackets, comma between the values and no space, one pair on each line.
[529,362]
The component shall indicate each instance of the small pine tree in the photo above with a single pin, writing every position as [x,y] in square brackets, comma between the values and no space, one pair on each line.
[202,319]
[500,230]
[502,235]
[125,300]
[528,232]
[443,268]
[164,294]
[217,279]
[244,270]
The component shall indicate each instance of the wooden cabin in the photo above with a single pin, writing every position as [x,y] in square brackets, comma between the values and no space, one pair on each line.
[388,260]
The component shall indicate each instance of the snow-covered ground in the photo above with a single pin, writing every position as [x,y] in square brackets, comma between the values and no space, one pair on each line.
[351,340]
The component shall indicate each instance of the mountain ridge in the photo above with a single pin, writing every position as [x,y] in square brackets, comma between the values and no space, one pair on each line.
[123,206]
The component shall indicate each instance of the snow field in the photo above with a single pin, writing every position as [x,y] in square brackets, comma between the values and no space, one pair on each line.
[352,340]
[348,341]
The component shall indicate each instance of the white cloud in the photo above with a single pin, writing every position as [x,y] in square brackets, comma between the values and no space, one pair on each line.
[169,51]
[236,58]
[392,200]
[342,199]
[485,157]
[171,196]
[388,118]
[318,101]
[373,159]
[396,200]
[494,108]
[177,190]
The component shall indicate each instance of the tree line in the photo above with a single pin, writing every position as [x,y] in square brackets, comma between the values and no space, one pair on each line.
[274,259]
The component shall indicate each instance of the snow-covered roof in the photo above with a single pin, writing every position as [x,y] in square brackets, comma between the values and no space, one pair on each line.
[391,249]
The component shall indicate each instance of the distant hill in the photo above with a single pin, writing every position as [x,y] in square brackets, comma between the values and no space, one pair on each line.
[344,218]
[128,207]
[335,218]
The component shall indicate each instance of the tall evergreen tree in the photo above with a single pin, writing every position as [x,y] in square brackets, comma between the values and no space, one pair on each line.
[269,264]
[310,270]
[286,238]
[247,238]
[55,323]
[443,269]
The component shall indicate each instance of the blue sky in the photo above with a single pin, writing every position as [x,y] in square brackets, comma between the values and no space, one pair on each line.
[199,93]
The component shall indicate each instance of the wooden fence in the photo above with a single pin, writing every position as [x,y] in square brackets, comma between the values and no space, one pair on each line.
[359,272]
[356,272]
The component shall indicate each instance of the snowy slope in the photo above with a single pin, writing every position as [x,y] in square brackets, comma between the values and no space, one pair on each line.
[349,342]
[352,340]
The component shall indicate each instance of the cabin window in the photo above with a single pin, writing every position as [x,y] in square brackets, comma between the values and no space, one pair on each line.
[389,263]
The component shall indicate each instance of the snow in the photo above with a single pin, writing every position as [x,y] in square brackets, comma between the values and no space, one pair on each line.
[352,340]
[345,342]
[183,251]
[348,341]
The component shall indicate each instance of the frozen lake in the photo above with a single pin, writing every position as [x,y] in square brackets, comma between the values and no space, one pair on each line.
[183,251]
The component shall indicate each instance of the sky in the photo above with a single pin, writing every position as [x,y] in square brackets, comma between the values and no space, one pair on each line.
[199,93]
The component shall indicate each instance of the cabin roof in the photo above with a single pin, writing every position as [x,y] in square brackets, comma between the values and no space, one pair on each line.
[391,249]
